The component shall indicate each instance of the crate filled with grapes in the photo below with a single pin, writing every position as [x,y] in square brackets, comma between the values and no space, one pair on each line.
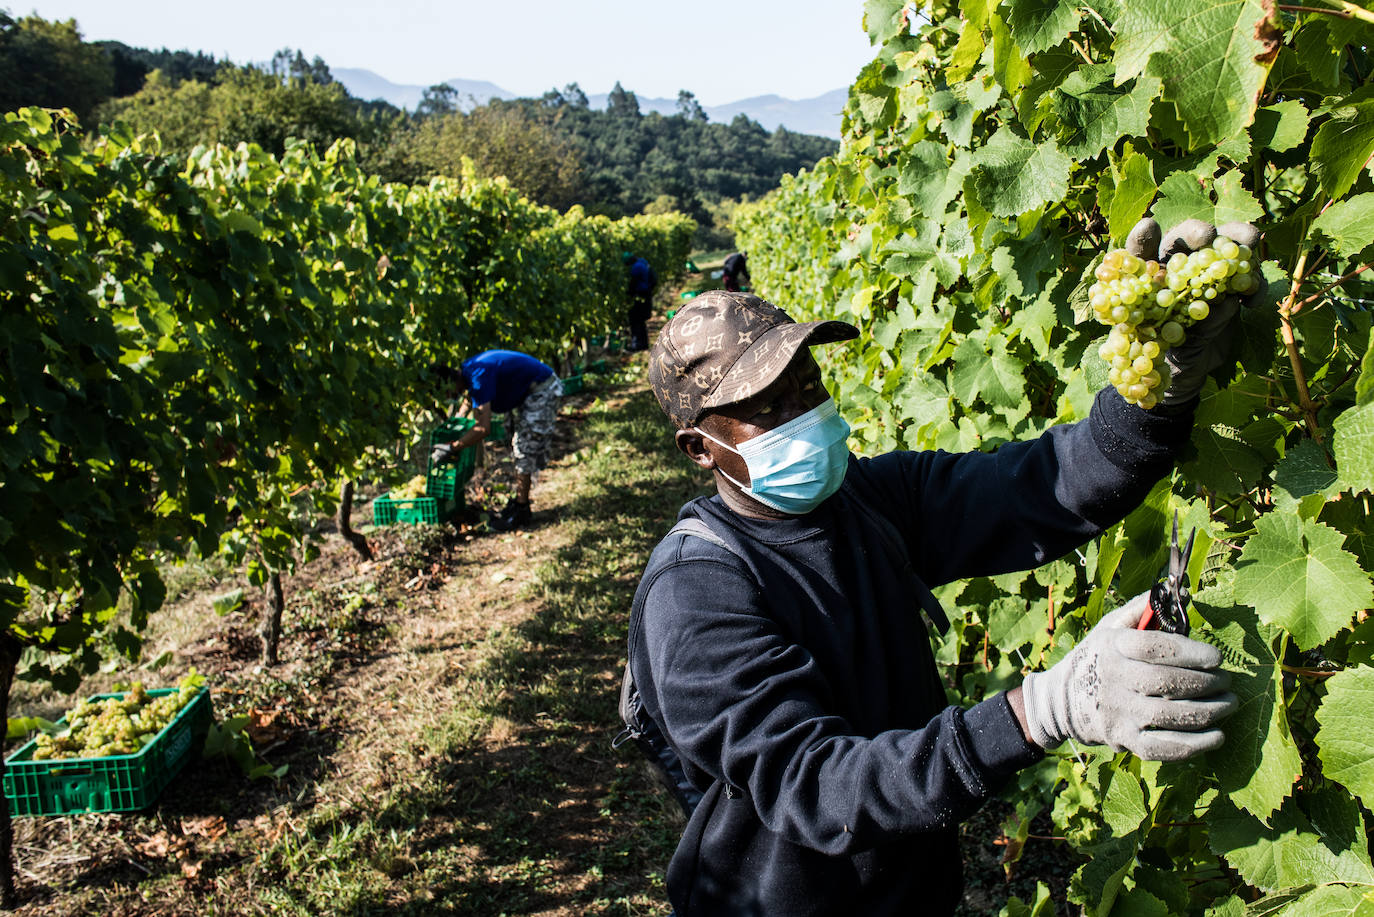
[111,752]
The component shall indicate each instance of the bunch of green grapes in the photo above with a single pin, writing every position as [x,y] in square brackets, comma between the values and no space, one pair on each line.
[1149,307]
[116,725]
[411,489]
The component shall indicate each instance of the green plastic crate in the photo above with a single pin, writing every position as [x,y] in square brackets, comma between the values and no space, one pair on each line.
[572,385]
[598,366]
[118,783]
[413,510]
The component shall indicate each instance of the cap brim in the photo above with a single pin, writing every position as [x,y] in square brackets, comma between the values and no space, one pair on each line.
[767,358]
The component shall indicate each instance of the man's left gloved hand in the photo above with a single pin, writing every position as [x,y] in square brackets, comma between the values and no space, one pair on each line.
[1158,695]
[1208,343]
[444,452]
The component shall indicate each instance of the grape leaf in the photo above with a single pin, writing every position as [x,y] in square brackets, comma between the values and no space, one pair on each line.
[1234,203]
[1038,25]
[1354,447]
[1297,576]
[926,178]
[1342,146]
[1097,883]
[1331,901]
[1094,113]
[1135,190]
[1280,127]
[1182,197]
[1259,762]
[1345,740]
[1364,384]
[1288,851]
[1123,807]
[1012,175]
[1136,902]
[1304,470]
[998,378]
[1225,461]
[1204,52]
[1348,225]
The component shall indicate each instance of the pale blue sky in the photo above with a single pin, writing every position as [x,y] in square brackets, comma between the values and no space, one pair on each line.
[718,49]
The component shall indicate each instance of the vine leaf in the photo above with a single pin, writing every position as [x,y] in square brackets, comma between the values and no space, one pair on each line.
[1258,763]
[1182,197]
[1354,444]
[1038,25]
[998,378]
[1135,190]
[1321,840]
[1348,225]
[1280,127]
[1295,573]
[1097,884]
[1342,146]
[1205,52]
[1304,470]
[1094,113]
[1012,175]
[1345,741]
[1123,808]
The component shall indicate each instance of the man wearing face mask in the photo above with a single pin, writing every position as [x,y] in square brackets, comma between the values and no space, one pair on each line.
[780,649]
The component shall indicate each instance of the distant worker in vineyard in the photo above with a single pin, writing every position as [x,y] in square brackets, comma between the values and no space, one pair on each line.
[501,381]
[642,283]
[735,272]
[775,640]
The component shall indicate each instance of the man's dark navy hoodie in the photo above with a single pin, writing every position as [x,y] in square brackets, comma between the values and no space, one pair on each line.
[795,678]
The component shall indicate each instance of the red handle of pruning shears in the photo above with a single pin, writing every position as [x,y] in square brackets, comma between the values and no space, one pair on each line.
[1167,608]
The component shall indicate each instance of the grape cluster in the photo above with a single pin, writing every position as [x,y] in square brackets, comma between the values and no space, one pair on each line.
[411,489]
[1150,305]
[116,725]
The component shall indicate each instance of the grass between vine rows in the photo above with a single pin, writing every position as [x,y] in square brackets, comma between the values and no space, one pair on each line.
[446,714]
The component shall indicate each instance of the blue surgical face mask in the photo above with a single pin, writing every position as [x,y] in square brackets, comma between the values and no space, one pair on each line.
[795,467]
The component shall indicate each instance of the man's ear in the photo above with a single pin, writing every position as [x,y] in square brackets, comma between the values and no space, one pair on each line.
[696,447]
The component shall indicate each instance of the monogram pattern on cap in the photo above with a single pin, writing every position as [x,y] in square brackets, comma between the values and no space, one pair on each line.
[734,340]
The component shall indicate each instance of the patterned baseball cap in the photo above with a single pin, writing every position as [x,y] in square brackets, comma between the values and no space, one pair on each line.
[723,347]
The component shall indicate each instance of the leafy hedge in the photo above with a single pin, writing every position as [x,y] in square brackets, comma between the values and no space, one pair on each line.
[992,151]
[192,345]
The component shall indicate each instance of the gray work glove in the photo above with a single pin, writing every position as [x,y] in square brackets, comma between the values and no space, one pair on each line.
[1157,695]
[1208,343]
[444,452]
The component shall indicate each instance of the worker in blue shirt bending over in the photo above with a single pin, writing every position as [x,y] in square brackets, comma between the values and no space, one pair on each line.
[502,381]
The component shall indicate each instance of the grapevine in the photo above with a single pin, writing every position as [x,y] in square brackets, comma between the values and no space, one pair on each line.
[1150,306]
[992,156]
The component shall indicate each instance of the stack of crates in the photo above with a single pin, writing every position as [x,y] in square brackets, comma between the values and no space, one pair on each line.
[444,484]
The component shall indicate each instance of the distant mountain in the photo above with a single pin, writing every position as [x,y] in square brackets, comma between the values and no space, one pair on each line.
[820,116]
[364,84]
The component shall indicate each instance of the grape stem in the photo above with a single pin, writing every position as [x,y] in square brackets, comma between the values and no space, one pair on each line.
[1347,10]
[1290,343]
[1328,288]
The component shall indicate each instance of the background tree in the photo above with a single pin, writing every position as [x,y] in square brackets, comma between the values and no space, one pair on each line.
[689,107]
[499,139]
[46,63]
[622,103]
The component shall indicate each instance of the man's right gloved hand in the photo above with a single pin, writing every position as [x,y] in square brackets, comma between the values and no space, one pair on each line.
[1157,695]
[444,452]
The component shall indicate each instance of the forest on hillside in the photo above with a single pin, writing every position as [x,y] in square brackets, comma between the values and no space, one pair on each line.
[555,149]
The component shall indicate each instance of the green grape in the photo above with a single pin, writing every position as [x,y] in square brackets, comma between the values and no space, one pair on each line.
[1149,306]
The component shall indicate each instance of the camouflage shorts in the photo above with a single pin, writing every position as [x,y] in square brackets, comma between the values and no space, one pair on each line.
[534,420]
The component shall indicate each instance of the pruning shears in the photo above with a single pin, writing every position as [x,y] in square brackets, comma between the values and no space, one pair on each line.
[1167,609]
